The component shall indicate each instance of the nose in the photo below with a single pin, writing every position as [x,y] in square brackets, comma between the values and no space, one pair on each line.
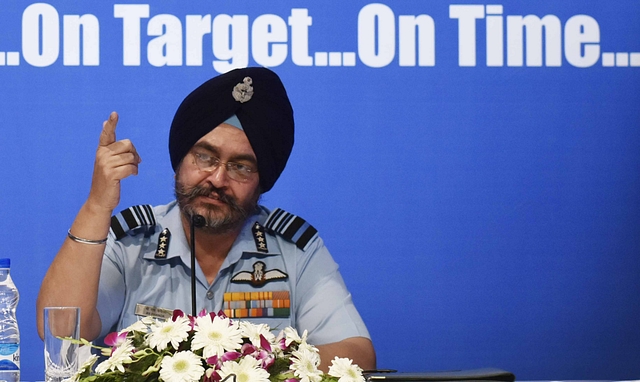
[218,176]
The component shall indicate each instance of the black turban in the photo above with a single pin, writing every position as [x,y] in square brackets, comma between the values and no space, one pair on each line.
[259,100]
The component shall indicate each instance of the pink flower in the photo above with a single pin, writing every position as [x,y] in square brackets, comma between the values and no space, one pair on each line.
[264,343]
[211,375]
[115,340]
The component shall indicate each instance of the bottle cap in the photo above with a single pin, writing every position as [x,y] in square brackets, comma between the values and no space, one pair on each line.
[5,263]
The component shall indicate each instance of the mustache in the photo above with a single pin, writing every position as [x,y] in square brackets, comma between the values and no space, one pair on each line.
[230,220]
[204,190]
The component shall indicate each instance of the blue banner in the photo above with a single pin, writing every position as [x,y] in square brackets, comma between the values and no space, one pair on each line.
[473,167]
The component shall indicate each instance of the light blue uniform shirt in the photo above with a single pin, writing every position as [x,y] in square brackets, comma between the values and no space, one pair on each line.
[131,275]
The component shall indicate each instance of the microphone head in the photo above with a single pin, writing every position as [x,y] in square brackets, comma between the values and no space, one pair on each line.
[198,221]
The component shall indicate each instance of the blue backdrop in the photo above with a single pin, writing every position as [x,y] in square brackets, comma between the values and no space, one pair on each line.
[474,168]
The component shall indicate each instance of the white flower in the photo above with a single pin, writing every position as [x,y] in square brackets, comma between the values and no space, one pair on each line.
[167,332]
[345,371]
[139,326]
[253,331]
[246,370]
[120,356]
[291,335]
[216,336]
[305,346]
[304,363]
[184,366]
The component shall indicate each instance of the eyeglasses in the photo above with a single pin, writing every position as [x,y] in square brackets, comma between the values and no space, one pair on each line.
[240,172]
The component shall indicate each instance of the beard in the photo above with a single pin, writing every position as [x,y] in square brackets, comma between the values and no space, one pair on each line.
[218,219]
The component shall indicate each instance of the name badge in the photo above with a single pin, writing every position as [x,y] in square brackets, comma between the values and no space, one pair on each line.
[153,311]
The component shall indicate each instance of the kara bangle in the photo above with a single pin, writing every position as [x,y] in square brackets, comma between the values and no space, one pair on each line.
[85,241]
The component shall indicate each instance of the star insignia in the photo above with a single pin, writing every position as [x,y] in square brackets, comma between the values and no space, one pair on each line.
[259,237]
[163,244]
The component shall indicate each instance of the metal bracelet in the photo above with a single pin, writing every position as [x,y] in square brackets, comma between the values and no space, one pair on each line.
[85,241]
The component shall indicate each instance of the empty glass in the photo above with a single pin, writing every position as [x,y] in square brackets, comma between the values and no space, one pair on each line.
[60,354]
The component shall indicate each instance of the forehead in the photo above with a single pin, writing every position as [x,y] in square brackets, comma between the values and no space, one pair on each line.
[227,140]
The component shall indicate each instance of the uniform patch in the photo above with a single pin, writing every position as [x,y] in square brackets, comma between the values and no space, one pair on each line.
[259,237]
[259,276]
[163,244]
[133,220]
[257,304]
[291,227]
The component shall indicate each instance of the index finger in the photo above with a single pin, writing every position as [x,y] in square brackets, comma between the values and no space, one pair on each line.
[108,135]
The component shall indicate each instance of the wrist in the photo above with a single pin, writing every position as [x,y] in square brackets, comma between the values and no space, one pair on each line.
[97,210]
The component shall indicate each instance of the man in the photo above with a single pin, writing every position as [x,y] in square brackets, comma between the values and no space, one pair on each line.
[229,141]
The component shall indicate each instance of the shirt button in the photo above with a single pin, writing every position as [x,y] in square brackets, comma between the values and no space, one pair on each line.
[210,295]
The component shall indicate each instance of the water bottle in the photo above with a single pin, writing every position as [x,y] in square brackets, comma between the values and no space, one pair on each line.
[9,333]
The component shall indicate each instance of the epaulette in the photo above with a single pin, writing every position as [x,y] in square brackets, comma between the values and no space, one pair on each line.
[132,221]
[291,227]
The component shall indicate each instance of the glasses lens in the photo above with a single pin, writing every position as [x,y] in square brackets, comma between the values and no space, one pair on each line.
[236,171]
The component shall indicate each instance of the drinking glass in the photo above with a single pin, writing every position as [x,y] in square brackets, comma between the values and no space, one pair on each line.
[60,354]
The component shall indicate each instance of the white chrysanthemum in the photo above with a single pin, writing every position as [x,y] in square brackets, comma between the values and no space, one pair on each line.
[291,335]
[253,331]
[169,332]
[138,326]
[184,366]
[216,336]
[120,356]
[305,346]
[246,370]
[345,371]
[304,363]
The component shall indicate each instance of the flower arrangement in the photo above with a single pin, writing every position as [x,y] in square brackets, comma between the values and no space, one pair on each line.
[211,348]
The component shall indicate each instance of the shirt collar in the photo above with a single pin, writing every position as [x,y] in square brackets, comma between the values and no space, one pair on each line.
[179,246]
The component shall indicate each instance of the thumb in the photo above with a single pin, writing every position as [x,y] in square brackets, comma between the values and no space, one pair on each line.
[108,135]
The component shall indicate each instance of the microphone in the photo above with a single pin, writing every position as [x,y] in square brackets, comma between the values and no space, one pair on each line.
[197,221]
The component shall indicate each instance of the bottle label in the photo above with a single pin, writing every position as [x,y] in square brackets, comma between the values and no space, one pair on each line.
[9,356]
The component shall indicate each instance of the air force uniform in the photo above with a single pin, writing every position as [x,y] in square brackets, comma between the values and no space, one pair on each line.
[277,272]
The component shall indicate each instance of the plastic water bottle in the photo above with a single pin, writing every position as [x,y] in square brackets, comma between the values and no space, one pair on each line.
[9,333]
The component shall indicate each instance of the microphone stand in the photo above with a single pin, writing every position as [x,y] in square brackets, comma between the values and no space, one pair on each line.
[196,221]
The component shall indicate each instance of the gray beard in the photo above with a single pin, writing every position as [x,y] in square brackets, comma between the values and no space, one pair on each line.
[216,220]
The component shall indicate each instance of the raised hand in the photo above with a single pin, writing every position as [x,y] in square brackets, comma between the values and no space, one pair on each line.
[115,160]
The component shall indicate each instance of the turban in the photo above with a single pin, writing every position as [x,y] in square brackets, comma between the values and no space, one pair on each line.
[257,97]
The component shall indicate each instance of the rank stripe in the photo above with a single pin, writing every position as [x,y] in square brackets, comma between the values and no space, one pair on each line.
[274,217]
[139,215]
[132,218]
[145,213]
[116,228]
[307,236]
[280,221]
[285,222]
[129,219]
[291,227]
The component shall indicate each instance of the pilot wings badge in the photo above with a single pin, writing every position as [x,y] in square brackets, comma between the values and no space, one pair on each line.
[259,276]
